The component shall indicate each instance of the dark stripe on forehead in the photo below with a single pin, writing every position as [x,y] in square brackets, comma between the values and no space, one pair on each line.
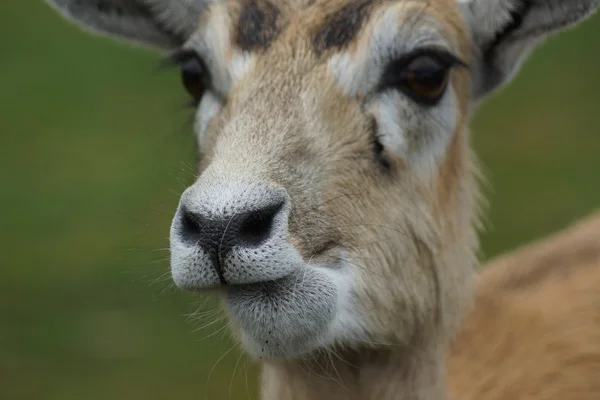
[257,25]
[341,27]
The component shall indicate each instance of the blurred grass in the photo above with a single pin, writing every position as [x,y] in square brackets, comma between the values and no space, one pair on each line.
[96,147]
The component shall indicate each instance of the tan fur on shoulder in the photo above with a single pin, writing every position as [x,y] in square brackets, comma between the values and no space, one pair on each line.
[535,330]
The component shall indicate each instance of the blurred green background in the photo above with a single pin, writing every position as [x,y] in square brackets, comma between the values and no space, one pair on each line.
[96,146]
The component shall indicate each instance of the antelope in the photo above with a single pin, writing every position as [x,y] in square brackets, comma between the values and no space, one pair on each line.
[336,207]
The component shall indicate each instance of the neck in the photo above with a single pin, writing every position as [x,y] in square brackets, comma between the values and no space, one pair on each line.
[359,375]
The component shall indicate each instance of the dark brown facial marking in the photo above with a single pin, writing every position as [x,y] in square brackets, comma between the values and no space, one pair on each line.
[342,26]
[257,25]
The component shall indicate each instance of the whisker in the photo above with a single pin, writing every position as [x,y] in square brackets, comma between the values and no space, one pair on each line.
[220,330]
[246,377]
[215,365]
[215,321]
[233,375]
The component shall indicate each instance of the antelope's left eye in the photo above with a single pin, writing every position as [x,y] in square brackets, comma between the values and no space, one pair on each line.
[194,78]
[423,76]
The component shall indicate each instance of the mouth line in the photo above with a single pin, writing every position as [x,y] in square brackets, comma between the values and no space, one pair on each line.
[267,284]
[223,286]
[267,287]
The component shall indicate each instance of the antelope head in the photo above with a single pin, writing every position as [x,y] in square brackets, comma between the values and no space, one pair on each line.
[336,200]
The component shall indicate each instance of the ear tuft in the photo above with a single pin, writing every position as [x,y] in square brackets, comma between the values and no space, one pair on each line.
[165,24]
[505,31]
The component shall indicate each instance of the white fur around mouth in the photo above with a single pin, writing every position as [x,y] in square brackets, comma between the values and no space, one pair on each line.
[292,316]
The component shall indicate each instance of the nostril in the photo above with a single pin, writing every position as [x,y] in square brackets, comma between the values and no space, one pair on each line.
[256,226]
[190,223]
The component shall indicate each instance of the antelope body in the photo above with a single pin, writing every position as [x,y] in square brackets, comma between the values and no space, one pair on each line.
[336,206]
[534,332]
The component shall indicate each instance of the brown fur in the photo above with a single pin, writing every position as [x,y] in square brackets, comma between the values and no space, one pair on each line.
[535,330]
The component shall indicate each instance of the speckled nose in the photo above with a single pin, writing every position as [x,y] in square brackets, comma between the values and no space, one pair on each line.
[218,236]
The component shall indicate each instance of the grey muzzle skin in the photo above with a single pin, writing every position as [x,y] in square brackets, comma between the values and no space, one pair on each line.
[247,230]
[231,233]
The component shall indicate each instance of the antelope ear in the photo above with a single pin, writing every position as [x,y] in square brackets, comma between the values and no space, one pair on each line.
[165,24]
[505,31]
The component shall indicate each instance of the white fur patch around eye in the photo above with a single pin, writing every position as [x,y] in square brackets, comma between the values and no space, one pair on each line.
[210,105]
[419,135]
[358,71]
[213,43]
[390,126]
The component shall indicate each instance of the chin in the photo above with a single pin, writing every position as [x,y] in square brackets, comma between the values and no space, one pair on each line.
[291,317]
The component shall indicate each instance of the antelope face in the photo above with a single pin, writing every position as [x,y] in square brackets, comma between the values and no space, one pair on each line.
[335,200]
[316,211]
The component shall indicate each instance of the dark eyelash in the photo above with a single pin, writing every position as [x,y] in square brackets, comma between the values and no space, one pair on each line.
[392,74]
[391,71]
[443,55]
[178,58]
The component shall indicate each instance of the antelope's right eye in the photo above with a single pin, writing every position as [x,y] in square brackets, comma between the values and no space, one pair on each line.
[194,77]
[422,75]
[194,74]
